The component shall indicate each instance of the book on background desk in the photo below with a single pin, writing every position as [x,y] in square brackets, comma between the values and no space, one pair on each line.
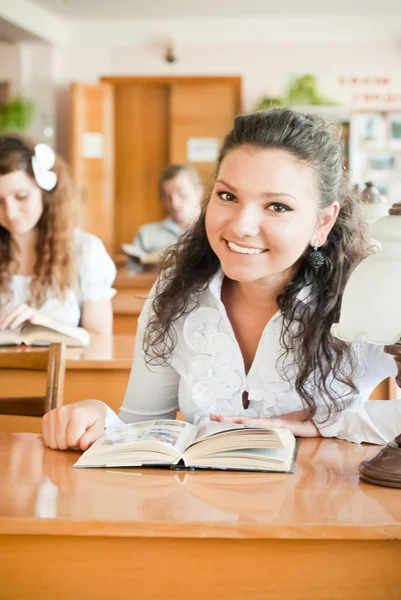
[133,251]
[176,444]
[42,332]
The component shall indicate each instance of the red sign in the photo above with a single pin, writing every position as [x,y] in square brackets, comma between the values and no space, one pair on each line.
[367,80]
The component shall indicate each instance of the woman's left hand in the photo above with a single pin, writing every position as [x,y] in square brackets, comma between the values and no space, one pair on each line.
[17,315]
[294,421]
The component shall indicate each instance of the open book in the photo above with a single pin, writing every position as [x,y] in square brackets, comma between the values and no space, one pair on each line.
[210,445]
[42,332]
[133,251]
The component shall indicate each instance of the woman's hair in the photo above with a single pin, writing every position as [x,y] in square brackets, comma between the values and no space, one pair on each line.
[55,255]
[319,359]
[172,171]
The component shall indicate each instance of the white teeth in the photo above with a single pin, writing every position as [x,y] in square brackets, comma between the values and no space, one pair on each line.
[242,250]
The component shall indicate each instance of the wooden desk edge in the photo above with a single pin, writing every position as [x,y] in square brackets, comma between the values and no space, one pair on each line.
[101,365]
[187,530]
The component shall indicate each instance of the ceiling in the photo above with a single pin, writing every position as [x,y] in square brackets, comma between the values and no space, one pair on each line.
[136,9]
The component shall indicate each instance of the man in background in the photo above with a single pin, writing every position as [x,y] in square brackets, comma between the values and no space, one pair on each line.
[181,192]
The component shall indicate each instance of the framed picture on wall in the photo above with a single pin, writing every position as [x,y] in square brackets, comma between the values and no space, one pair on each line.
[395,130]
[381,162]
[372,129]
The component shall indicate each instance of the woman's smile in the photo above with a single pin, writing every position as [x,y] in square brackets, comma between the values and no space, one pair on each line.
[244,249]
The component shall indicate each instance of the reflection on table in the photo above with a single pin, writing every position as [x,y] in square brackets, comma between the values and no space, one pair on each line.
[323,497]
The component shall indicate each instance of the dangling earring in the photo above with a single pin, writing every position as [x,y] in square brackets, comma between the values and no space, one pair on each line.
[315,258]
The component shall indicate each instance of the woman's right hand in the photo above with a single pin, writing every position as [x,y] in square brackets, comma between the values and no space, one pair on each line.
[74,426]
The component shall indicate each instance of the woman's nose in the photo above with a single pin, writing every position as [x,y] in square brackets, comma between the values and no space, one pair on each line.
[247,222]
[11,209]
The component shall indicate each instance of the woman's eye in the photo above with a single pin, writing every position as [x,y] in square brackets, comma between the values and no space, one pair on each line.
[21,196]
[226,196]
[277,207]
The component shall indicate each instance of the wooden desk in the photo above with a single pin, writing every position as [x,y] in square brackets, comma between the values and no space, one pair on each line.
[316,534]
[141,282]
[126,310]
[100,371]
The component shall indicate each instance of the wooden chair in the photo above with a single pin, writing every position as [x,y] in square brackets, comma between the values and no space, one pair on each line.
[51,360]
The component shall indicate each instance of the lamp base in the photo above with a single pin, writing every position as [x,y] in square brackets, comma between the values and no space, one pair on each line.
[384,468]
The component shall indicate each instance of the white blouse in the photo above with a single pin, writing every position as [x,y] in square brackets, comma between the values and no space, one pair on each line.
[96,273]
[206,374]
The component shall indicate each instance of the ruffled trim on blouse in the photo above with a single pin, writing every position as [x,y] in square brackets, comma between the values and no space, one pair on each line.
[216,369]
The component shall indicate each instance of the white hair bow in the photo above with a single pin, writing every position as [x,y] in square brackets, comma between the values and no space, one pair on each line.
[42,161]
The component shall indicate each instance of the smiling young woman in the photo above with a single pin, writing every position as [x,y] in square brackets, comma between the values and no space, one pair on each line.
[237,327]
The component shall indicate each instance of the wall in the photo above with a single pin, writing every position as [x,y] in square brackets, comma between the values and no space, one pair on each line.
[10,65]
[263,51]
[265,67]
[38,82]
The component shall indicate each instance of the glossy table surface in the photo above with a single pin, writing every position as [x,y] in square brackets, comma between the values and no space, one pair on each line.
[323,499]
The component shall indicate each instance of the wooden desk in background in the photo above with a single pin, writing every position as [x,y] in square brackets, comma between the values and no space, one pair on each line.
[100,371]
[319,533]
[126,310]
[128,302]
[139,284]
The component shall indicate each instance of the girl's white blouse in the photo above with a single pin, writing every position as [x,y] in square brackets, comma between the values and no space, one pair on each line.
[206,375]
[96,273]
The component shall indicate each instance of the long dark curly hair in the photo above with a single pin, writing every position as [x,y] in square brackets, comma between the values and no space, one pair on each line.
[55,263]
[320,360]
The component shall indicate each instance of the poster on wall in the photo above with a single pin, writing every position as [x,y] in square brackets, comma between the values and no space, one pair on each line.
[365,91]
[92,145]
[202,149]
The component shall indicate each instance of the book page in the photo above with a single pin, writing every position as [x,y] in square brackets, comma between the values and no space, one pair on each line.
[209,428]
[10,336]
[43,329]
[133,251]
[173,434]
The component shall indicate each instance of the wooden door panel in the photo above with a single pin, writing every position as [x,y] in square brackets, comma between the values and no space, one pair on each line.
[92,117]
[141,113]
[200,110]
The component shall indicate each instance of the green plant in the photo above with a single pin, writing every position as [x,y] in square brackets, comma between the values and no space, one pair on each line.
[265,102]
[16,114]
[302,91]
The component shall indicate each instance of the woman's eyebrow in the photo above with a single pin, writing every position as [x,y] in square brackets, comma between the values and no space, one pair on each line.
[266,195]
[231,187]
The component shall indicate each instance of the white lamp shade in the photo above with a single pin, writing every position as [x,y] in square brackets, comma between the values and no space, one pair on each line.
[371,304]
[374,212]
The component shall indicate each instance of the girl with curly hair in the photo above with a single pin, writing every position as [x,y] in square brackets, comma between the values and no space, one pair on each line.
[237,328]
[46,266]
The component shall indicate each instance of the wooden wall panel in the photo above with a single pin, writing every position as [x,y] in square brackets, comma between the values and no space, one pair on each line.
[141,142]
[92,113]
[204,110]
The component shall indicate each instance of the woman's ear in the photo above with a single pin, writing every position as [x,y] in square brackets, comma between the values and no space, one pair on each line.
[327,218]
